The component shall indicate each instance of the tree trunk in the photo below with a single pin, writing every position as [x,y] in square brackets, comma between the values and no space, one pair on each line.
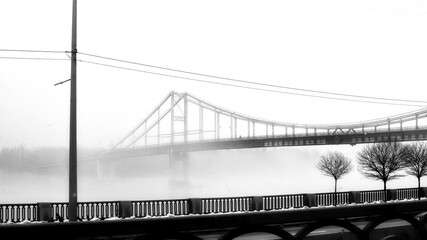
[335,193]
[385,191]
[419,188]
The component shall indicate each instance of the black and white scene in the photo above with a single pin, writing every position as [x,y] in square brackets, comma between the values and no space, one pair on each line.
[213,120]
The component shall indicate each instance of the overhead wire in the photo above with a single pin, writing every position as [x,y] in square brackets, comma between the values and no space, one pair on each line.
[34,58]
[215,77]
[245,87]
[251,82]
[30,50]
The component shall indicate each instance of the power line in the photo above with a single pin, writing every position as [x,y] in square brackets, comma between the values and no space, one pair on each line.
[246,87]
[35,58]
[250,82]
[32,51]
[217,77]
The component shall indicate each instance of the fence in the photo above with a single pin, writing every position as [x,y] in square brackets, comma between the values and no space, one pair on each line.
[283,202]
[160,207]
[18,212]
[138,209]
[224,205]
[327,199]
[407,193]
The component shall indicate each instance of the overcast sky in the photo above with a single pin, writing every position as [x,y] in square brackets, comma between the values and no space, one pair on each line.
[369,48]
[365,47]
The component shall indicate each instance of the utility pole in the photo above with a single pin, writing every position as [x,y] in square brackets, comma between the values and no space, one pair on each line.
[72,207]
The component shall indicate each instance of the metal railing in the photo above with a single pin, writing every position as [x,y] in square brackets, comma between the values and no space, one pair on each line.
[14,213]
[406,193]
[101,210]
[224,205]
[18,212]
[327,199]
[160,207]
[409,220]
[371,196]
[283,202]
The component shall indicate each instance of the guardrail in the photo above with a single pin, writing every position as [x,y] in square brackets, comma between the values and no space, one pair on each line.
[18,212]
[283,202]
[410,221]
[14,213]
[158,207]
[225,205]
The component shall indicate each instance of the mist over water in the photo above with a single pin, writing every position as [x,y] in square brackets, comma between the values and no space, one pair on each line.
[225,173]
[363,49]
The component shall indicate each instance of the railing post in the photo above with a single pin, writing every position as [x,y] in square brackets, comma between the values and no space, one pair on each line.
[309,200]
[354,197]
[44,212]
[257,204]
[125,209]
[391,194]
[195,206]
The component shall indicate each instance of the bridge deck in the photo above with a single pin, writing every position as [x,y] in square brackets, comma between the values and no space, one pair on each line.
[276,141]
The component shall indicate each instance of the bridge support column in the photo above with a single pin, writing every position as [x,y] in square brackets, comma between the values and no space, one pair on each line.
[172,118]
[253,129]
[105,167]
[179,163]
[98,168]
[416,122]
[200,121]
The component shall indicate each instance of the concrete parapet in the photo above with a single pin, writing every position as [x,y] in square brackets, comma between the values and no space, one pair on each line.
[391,194]
[125,209]
[257,203]
[195,206]
[44,212]
[309,200]
[354,197]
[423,192]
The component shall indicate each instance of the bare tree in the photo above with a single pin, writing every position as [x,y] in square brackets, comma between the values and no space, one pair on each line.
[415,159]
[381,161]
[334,164]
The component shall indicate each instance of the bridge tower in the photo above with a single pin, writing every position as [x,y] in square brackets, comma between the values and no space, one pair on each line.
[179,161]
[179,165]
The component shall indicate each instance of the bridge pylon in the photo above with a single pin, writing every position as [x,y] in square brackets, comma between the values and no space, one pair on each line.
[179,165]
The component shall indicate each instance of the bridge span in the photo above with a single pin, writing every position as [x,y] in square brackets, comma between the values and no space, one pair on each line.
[276,141]
[185,123]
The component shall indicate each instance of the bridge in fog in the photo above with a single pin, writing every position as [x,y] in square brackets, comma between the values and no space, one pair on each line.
[184,123]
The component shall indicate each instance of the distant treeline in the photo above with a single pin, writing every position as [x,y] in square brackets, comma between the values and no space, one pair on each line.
[22,159]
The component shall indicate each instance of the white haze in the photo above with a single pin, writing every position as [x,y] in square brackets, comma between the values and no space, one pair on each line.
[251,172]
[368,48]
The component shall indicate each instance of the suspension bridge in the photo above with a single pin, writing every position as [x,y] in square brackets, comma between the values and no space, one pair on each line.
[184,123]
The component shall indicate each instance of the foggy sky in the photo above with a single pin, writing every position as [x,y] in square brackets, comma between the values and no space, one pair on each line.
[369,48]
